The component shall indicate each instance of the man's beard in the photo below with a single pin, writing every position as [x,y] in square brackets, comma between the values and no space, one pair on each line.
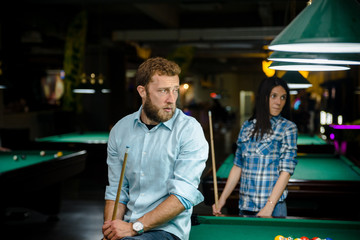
[156,114]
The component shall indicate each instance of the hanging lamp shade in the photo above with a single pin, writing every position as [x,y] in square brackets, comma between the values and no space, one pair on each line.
[295,80]
[290,66]
[331,26]
[317,58]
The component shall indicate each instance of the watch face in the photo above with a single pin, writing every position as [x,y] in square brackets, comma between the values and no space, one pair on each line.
[138,226]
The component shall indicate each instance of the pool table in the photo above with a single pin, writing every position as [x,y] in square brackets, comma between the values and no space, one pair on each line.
[35,182]
[323,185]
[256,228]
[95,144]
[307,143]
[77,138]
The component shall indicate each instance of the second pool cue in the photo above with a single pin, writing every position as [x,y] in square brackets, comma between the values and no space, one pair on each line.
[213,161]
[120,184]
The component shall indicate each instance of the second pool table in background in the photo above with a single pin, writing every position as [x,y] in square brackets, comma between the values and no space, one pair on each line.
[77,138]
[307,143]
[95,143]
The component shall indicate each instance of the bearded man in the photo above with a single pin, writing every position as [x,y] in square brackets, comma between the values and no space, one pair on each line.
[167,155]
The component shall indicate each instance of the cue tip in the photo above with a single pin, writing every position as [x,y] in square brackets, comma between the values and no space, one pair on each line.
[210,113]
[127,149]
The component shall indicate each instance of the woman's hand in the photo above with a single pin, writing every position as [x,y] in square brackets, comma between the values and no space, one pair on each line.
[217,210]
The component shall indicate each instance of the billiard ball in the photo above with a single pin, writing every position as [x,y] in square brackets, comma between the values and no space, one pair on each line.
[42,153]
[58,154]
[279,237]
[15,157]
[315,238]
[304,238]
[23,156]
[290,238]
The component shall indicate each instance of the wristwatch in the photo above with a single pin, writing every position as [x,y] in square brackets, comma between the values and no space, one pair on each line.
[138,227]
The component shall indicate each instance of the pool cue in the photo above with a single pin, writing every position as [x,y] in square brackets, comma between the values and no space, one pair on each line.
[120,184]
[213,161]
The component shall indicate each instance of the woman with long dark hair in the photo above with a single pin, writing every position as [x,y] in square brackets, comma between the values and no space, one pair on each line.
[266,152]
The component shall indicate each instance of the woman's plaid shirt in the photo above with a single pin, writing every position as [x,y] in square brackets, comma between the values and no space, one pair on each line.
[262,161]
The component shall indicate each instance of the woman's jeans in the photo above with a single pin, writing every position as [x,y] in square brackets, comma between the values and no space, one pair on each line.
[280,210]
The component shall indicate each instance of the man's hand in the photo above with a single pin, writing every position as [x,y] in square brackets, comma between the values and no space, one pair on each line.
[117,229]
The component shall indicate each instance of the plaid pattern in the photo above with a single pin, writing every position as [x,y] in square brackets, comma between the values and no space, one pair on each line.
[262,161]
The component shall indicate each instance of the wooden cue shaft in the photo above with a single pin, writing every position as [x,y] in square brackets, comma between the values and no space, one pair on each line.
[213,161]
[120,184]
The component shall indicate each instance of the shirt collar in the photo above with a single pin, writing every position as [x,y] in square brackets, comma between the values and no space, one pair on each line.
[169,124]
[275,119]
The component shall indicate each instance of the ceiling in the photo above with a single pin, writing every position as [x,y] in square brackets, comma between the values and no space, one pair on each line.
[220,31]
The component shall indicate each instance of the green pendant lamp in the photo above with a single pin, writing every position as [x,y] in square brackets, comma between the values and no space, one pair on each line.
[331,26]
[291,66]
[295,80]
[317,58]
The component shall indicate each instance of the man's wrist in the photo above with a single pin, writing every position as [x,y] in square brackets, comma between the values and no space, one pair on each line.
[138,227]
[133,232]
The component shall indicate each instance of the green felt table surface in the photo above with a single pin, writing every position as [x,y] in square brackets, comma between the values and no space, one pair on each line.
[326,167]
[77,137]
[224,228]
[7,163]
[90,137]
[307,139]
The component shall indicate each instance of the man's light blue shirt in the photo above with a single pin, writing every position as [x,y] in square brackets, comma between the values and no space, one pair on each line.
[168,159]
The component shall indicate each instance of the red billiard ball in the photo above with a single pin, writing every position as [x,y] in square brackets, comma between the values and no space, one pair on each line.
[304,238]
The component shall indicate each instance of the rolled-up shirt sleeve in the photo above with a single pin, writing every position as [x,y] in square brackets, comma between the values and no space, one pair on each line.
[190,163]
[186,203]
[288,151]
